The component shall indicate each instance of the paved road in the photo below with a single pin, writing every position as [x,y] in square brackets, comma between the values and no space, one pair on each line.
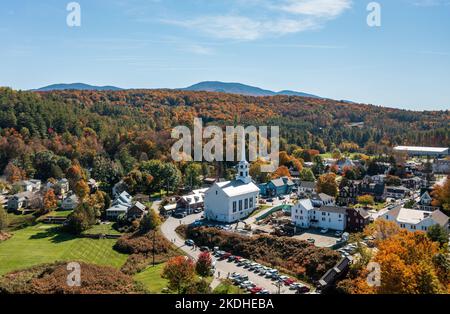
[222,267]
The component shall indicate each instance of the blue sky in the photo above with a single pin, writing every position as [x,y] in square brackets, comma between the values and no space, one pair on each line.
[324,47]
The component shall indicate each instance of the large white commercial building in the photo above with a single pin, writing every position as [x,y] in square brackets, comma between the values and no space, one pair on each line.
[234,200]
[305,215]
[416,220]
[423,151]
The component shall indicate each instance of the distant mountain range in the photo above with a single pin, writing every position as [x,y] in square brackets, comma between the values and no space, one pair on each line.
[74,86]
[242,89]
[208,86]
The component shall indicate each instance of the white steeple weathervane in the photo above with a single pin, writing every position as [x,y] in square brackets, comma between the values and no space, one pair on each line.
[243,167]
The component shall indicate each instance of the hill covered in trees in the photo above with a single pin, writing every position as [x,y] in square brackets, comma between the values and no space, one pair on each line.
[42,132]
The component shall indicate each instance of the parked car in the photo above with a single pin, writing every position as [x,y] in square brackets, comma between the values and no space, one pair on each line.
[264,291]
[323,231]
[289,281]
[189,242]
[281,197]
[204,249]
[242,262]
[255,290]
[224,256]
[338,233]
[303,289]
[245,284]
[231,258]
[197,211]
[270,200]
[179,215]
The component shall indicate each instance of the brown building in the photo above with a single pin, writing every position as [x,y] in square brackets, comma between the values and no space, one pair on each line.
[357,219]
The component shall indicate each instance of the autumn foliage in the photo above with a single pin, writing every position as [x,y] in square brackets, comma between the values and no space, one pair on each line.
[180,272]
[410,263]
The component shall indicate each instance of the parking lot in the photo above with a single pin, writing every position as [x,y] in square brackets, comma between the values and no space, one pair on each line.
[253,277]
[320,240]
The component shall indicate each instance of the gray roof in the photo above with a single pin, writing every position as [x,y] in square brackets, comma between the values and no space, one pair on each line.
[140,206]
[322,197]
[439,217]
[308,184]
[333,209]
[278,182]
[364,213]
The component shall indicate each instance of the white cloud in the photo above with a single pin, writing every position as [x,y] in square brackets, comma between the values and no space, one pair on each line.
[198,49]
[317,8]
[430,3]
[262,18]
[244,28]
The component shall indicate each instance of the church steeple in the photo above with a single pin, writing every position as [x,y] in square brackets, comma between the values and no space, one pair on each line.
[243,167]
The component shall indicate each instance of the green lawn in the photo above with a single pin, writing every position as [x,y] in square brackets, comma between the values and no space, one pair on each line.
[226,287]
[151,278]
[43,244]
[260,209]
[102,229]
[60,213]
[19,221]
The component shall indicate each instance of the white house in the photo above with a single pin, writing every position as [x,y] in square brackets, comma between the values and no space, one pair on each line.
[30,185]
[397,192]
[441,166]
[70,202]
[121,204]
[305,215]
[322,199]
[233,200]
[307,187]
[425,202]
[416,220]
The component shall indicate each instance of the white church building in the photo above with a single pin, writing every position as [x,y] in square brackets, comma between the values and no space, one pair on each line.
[234,200]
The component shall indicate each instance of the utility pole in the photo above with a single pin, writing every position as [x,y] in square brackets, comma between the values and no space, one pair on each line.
[153,251]
[278,285]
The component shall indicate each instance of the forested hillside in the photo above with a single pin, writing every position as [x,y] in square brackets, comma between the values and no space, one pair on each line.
[131,125]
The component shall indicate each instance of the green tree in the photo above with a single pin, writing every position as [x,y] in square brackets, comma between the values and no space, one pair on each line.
[106,171]
[366,200]
[307,175]
[192,175]
[437,233]
[318,166]
[4,221]
[149,222]
[82,218]
[327,184]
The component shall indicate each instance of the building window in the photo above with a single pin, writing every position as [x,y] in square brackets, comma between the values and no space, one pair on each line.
[240,205]
[234,206]
[251,202]
[246,203]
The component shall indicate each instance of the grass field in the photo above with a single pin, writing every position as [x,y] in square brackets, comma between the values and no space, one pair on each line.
[60,213]
[42,244]
[102,229]
[18,221]
[151,278]
[226,287]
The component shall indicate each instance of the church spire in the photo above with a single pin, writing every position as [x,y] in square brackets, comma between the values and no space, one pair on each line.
[243,158]
[243,167]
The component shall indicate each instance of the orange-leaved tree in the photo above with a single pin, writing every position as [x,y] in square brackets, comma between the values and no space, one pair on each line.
[180,272]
